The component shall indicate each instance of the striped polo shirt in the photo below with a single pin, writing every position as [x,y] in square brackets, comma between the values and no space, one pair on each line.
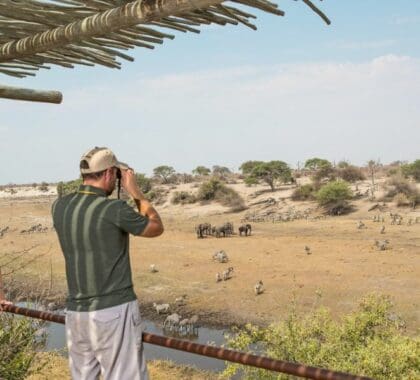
[94,236]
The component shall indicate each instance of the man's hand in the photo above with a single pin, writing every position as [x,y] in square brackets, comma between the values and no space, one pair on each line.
[4,302]
[154,227]
[129,183]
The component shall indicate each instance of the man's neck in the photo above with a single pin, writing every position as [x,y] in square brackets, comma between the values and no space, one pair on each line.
[97,184]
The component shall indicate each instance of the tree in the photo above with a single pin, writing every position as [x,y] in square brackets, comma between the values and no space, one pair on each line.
[272,171]
[247,166]
[373,167]
[322,168]
[143,182]
[201,171]
[412,169]
[221,172]
[164,172]
[316,163]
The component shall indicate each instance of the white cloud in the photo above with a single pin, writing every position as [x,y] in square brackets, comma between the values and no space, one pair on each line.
[361,45]
[291,112]
[406,20]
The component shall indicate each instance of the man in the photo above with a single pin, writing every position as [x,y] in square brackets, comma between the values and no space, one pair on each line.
[103,320]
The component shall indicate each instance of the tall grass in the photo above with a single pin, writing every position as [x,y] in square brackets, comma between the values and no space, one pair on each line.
[19,341]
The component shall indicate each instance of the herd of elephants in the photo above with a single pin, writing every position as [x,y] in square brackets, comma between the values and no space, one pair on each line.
[206,229]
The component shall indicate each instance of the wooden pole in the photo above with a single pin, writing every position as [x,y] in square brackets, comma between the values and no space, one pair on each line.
[17,93]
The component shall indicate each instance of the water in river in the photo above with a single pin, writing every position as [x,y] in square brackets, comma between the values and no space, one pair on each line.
[57,340]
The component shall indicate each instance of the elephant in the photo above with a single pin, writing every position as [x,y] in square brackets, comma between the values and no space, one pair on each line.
[245,228]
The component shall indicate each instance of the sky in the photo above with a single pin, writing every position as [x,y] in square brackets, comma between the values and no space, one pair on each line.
[294,89]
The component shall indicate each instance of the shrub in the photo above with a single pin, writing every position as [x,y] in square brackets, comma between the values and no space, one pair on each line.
[333,197]
[333,192]
[183,197]
[184,178]
[43,187]
[18,345]
[399,185]
[351,173]
[393,171]
[157,195]
[208,189]
[230,198]
[304,193]
[64,188]
[143,182]
[412,169]
[401,200]
[216,190]
[368,341]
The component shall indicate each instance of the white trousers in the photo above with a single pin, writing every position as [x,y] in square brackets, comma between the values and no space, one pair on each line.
[106,342]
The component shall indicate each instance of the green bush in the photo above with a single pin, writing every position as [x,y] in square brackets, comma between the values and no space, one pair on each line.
[157,195]
[368,341]
[304,193]
[333,192]
[216,190]
[143,182]
[412,169]
[208,189]
[334,197]
[64,188]
[18,345]
[183,197]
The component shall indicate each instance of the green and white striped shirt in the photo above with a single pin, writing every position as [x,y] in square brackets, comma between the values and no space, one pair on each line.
[94,236]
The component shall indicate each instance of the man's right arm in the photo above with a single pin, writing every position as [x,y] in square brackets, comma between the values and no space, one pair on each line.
[155,226]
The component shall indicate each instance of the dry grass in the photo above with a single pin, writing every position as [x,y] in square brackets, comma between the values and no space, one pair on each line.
[344,265]
[52,366]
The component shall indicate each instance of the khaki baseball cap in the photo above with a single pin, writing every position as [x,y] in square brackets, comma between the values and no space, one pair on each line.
[99,159]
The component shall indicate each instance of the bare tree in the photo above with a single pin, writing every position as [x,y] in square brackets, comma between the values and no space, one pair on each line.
[373,167]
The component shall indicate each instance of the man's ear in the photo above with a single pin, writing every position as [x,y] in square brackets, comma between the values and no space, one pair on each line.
[109,172]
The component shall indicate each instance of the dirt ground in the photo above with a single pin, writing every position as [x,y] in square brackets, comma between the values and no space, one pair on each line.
[343,267]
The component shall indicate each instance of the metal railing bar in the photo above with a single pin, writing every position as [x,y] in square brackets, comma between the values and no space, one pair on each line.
[263,362]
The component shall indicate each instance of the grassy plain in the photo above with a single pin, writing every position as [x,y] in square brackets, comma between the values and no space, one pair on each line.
[344,264]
